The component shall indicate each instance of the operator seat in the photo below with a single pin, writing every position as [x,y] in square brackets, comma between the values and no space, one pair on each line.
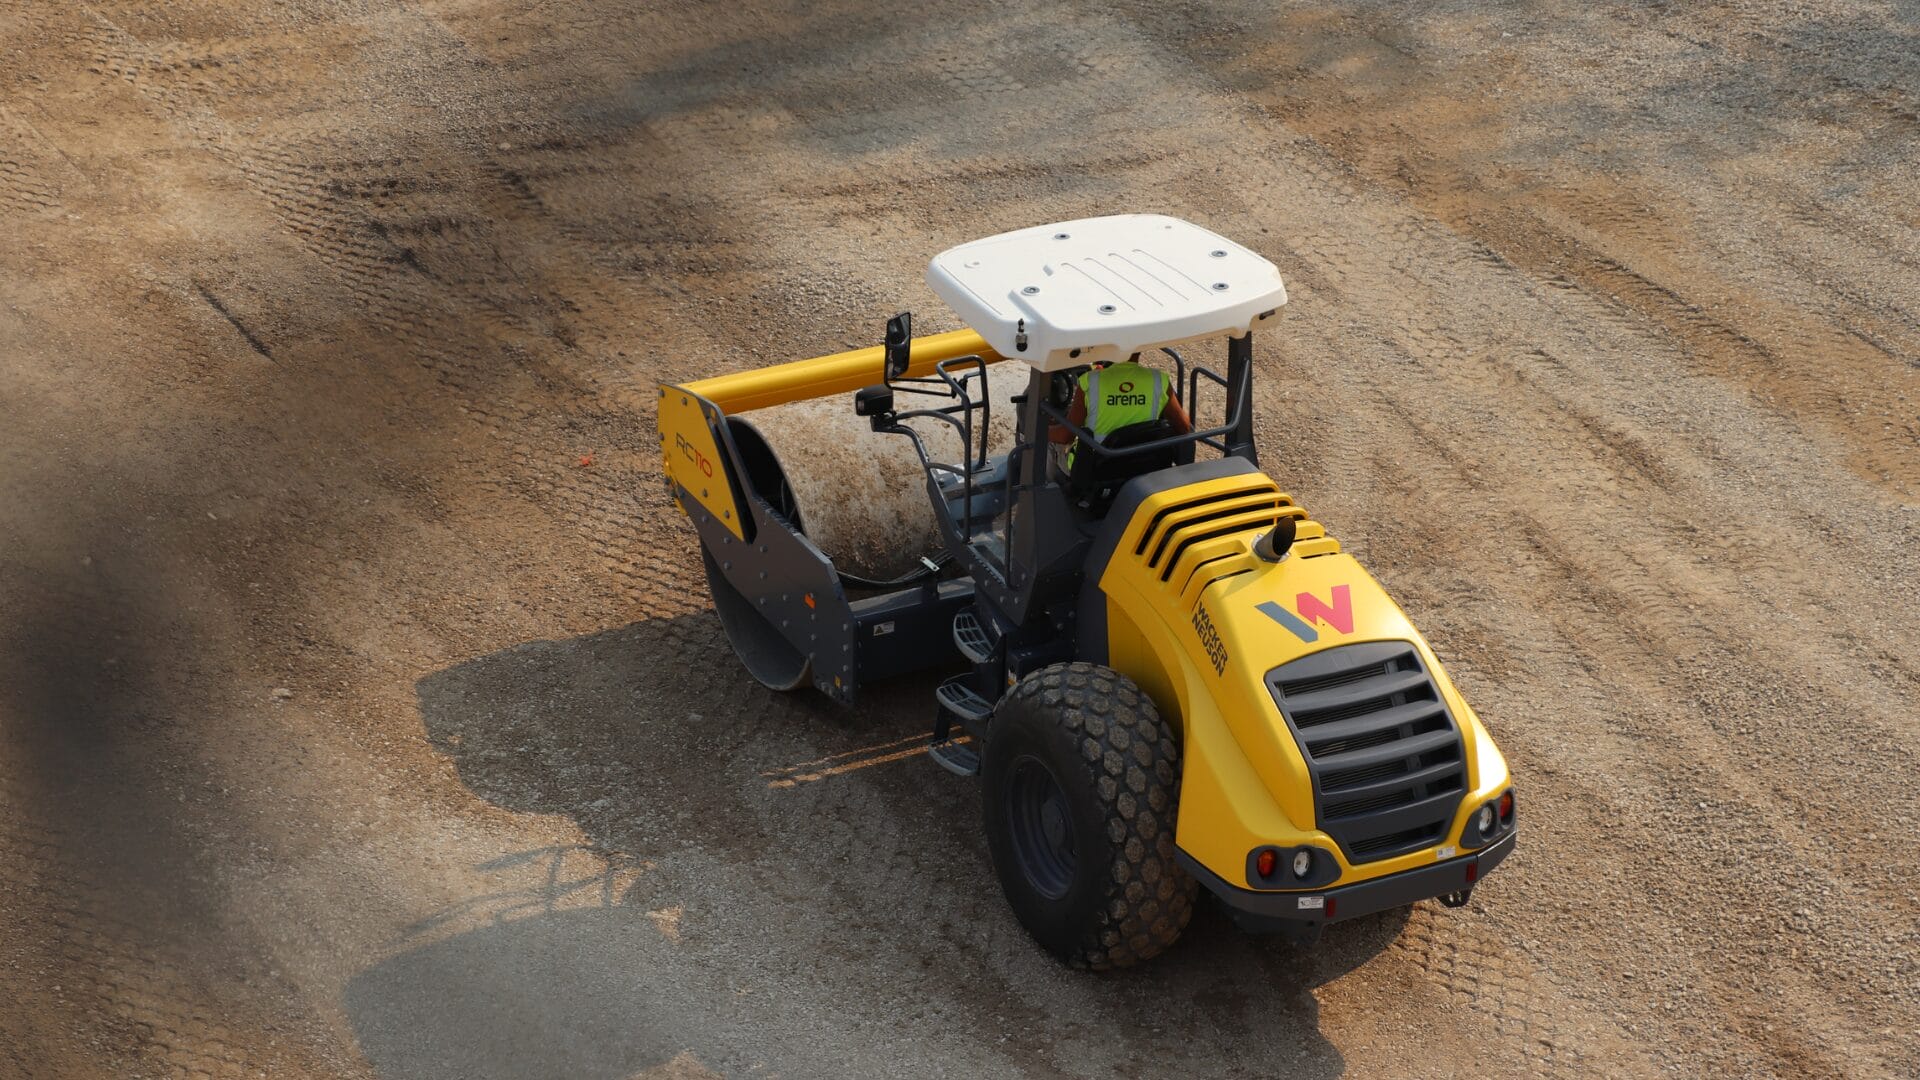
[1096,477]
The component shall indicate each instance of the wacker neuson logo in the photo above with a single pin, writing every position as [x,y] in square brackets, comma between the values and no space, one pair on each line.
[1312,609]
[1210,638]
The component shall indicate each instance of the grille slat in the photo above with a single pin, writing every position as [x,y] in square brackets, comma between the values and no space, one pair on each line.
[1413,712]
[1342,808]
[1397,781]
[1349,779]
[1359,692]
[1386,758]
[1400,748]
[1328,716]
[1400,818]
[1330,748]
[1333,679]
[1382,847]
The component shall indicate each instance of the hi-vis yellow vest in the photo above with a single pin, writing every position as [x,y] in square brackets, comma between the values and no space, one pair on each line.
[1118,396]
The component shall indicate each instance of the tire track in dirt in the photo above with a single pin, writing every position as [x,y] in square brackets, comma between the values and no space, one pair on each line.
[407,243]
[1794,357]
[30,180]
[1454,289]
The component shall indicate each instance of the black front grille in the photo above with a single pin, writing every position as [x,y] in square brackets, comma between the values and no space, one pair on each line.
[1387,763]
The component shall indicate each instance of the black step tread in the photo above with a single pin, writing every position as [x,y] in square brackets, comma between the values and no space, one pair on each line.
[958,758]
[971,638]
[964,701]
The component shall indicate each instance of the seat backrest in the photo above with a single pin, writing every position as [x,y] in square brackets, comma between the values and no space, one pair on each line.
[1096,477]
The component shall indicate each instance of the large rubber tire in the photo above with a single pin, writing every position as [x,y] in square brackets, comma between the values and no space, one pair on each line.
[1080,786]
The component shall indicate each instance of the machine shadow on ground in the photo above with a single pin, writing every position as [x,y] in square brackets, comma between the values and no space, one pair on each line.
[653,740]
[561,992]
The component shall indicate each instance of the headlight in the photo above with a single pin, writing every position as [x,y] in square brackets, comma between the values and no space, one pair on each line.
[1302,863]
[1490,819]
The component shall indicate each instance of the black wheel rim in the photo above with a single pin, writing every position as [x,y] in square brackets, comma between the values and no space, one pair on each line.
[1041,827]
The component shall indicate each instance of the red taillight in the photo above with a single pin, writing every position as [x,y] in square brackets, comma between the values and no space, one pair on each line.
[1506,805]
[1263,863]
[1329,909]
[1473,871]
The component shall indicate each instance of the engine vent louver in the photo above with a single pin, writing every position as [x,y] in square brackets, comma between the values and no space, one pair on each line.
[1196,538]
[1386,757]
[1180,526]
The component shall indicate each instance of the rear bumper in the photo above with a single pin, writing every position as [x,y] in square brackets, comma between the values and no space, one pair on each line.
[1294,911]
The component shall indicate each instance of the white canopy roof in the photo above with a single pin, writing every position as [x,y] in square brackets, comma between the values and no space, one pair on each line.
[1077,292]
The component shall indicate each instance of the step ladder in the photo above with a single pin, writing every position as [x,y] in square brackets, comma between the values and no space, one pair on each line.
[972,639]
[958,700]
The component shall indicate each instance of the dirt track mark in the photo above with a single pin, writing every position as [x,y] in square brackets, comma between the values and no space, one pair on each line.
[1606,236]
[253,341]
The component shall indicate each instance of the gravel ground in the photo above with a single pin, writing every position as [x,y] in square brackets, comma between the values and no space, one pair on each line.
[362,711]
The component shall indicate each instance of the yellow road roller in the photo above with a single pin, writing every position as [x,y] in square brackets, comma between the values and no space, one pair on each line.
[1164,672]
